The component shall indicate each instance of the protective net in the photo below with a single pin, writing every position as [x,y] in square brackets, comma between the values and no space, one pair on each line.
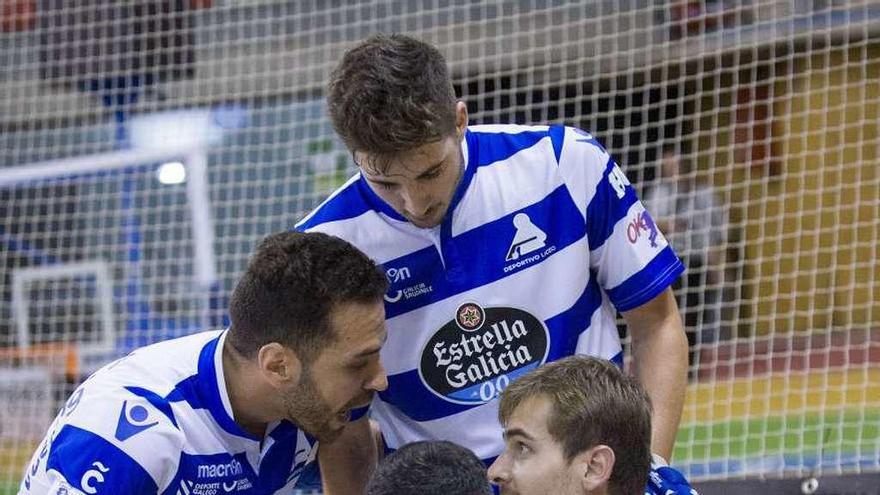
[148,145]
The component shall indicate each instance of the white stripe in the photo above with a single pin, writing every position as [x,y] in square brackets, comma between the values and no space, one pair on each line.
[335,193]
[370,232]
[485,441]
[581,165]
[527,172]
[601,337]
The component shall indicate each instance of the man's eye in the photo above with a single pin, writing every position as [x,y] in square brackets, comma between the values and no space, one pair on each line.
[522,449]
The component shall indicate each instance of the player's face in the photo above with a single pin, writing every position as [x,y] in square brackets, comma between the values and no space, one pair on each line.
[345,375]
[533,462]
[419,184]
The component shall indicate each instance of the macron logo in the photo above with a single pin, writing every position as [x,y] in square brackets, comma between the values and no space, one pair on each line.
[132,421]
[231,468]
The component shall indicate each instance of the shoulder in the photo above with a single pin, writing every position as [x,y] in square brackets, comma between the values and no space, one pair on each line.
[345,203]
[580,145]
[121,438]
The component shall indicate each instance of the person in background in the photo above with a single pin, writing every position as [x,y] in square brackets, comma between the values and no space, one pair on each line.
[688,212]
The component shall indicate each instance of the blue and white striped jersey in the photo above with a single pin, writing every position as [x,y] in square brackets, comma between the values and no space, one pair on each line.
[158,421]
[543,240]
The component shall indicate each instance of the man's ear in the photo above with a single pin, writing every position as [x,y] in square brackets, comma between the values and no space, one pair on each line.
[595,465]
[461,118]
[279,364]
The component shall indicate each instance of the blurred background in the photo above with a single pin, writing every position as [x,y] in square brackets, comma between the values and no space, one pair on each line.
[146,146]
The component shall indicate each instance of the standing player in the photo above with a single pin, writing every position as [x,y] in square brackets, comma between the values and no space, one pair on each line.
[235,411]
[506,247]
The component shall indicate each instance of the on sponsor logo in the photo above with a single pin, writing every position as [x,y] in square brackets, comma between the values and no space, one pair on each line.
[397,274]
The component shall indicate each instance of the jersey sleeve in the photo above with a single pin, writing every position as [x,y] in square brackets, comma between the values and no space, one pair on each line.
[107,443]
[89,463]
[629,256]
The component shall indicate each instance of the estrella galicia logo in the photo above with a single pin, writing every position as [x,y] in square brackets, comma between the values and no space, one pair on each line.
[473,357]
[132,421]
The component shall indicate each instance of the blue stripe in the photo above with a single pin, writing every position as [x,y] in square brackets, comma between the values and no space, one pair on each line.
[648,283]
[606,209]
[358,413]
[557,136]
[467,268]
[82,457]
[200,392]
[486,148]
[407,392]
[277,465]
[355,200]
[188,471]
[568,326]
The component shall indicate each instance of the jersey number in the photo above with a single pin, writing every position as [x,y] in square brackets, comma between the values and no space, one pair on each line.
[618,181]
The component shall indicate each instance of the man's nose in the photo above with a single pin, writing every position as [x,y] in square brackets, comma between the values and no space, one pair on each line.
[416,201]
[379,382]
[497,472]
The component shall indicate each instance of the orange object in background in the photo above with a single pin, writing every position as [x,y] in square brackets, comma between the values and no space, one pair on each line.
[17,15]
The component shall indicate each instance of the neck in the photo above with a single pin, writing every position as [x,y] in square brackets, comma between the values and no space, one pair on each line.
[251,409]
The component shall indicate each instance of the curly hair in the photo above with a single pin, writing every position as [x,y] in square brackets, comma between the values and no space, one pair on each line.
[292,283]
[391,94]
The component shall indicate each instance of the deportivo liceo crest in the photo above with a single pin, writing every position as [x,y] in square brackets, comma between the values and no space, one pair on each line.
[473,357]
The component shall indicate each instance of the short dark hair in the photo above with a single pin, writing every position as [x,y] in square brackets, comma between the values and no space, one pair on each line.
[592,403]
[292,283]
[430,468]
[391,94]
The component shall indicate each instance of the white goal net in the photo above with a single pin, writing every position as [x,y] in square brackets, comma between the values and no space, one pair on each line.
[146,146]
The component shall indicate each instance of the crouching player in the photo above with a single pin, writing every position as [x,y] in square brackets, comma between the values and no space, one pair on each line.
[237,410]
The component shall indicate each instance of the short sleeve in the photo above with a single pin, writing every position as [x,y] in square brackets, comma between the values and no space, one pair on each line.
[629,256]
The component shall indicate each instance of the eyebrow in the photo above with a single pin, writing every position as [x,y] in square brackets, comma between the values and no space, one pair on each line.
[431,170]
[434,168]
[375,349]
[514,432]
[368,351]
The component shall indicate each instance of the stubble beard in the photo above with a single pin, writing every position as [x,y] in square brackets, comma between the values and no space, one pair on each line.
[306,408]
